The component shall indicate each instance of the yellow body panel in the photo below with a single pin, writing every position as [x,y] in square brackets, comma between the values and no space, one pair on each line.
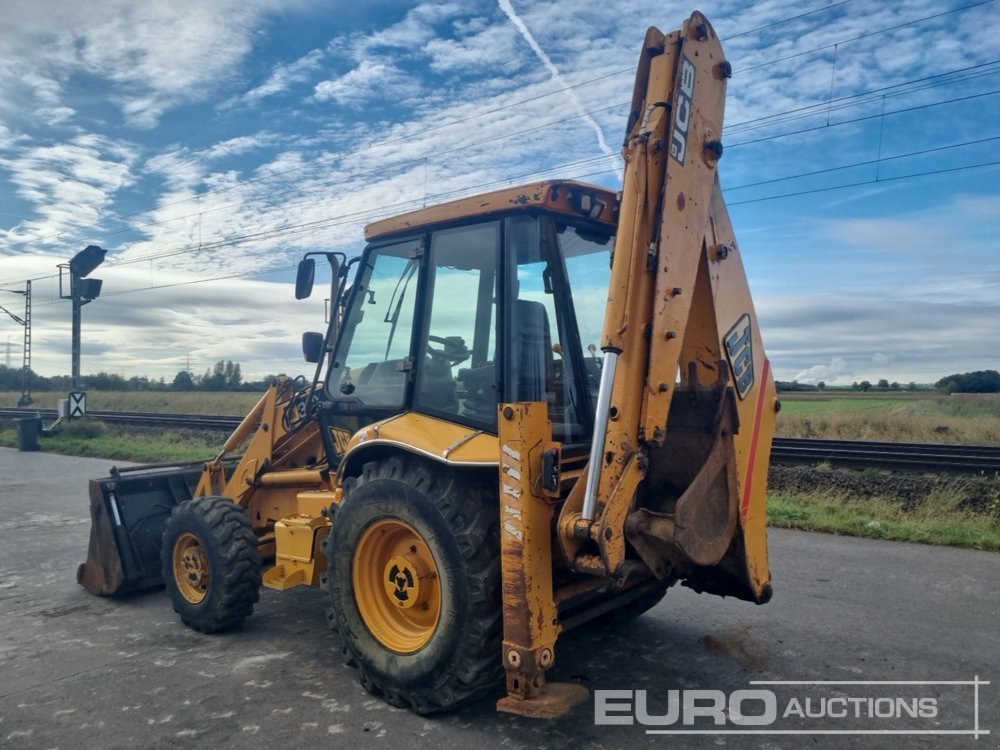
[554,196]
[299,560]
[431,437]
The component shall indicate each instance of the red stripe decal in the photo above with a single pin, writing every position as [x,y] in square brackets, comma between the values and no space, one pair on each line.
[745,505]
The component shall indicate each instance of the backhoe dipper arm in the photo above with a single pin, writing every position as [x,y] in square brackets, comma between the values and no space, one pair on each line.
[678,304]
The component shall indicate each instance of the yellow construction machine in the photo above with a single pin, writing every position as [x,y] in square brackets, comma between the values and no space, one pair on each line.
[530,409]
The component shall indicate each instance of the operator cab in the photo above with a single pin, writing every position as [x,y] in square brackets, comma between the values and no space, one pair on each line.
[460,307]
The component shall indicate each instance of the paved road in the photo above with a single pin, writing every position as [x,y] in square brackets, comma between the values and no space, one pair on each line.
[77,671]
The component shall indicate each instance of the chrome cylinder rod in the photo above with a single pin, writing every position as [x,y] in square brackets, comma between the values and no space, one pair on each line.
[600,433]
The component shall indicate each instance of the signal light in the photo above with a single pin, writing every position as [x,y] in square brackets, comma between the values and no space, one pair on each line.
[87,260]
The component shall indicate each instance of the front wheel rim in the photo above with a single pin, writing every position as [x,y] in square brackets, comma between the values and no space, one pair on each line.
[192,570]
[396,585]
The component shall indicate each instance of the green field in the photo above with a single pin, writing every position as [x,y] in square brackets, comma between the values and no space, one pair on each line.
[922,418]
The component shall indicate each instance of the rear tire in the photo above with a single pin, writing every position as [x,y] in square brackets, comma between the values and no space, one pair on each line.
[211,565]
[414,583]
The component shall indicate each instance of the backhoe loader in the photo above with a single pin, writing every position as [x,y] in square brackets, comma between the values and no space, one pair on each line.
[530,409]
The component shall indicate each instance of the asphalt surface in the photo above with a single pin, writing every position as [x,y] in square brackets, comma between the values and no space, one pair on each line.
[78,671]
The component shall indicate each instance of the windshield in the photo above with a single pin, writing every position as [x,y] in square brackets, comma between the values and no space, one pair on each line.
[372,354]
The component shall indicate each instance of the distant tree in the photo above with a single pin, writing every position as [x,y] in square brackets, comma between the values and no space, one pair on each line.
[865,386]
[980,381]
[10,378]
[912,386]
[233,375]
[883,384]
[894,386]
[183,381]
[223,375]
[855,386]
[793,385]
[821,385]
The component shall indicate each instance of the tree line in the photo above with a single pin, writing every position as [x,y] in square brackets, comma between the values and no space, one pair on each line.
[224,375]
[981,381]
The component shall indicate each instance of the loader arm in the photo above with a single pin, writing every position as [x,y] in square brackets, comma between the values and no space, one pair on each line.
[681,344]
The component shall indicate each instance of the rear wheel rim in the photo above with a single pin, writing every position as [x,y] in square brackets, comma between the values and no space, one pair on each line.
[192,571]
[396,585]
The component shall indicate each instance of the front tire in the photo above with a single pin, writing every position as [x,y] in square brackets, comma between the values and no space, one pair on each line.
[414,582]
[211,564]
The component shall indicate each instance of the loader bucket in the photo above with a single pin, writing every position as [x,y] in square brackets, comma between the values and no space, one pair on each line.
[128,511]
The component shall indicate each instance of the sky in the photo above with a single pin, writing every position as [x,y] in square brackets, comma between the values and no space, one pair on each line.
[207,144]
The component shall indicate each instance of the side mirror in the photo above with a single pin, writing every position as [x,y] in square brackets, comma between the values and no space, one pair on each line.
[312,346]
[304,278]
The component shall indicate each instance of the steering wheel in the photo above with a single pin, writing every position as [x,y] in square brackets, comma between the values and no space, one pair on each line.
[454,351]
[302,405]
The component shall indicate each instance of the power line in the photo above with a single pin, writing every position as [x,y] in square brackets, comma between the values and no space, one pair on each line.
[743,127]
[902,88]
[786,20]
[316,225]
[319,224]
[863,36]
[864,119]
[317,162]
[867,163]
[486,185]
[844,103]
[873,181]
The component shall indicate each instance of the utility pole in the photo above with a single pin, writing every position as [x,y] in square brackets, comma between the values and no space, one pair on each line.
[25,399]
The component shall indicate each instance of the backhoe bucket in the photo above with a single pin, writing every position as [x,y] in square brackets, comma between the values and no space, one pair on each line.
[128,512]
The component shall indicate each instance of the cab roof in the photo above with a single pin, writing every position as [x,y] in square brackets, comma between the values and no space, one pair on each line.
[577,199]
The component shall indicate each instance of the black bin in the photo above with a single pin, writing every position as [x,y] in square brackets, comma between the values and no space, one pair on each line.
[28,431]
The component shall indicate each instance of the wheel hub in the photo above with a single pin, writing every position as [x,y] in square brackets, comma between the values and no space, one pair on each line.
[396,585]
[402,580]
[191,568]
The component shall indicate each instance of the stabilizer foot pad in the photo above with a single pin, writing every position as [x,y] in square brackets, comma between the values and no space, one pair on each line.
[556,699]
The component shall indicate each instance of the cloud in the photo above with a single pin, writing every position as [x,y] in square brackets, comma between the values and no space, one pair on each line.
[283,77]
[837,370]
[898,234]
[153,56]
[70,184]
[164,327]
[865,338]
[371,78]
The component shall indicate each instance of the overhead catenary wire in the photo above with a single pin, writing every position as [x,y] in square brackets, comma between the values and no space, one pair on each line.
[494,110]
[867,163]
[765,121]
[871,181]
[278,231]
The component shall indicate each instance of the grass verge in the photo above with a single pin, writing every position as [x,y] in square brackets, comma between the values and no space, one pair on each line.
[97,440]
[934,521]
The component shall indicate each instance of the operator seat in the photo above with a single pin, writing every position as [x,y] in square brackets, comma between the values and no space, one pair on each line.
[531,351]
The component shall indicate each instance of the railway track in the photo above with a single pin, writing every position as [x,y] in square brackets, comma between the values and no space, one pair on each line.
[851,453]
